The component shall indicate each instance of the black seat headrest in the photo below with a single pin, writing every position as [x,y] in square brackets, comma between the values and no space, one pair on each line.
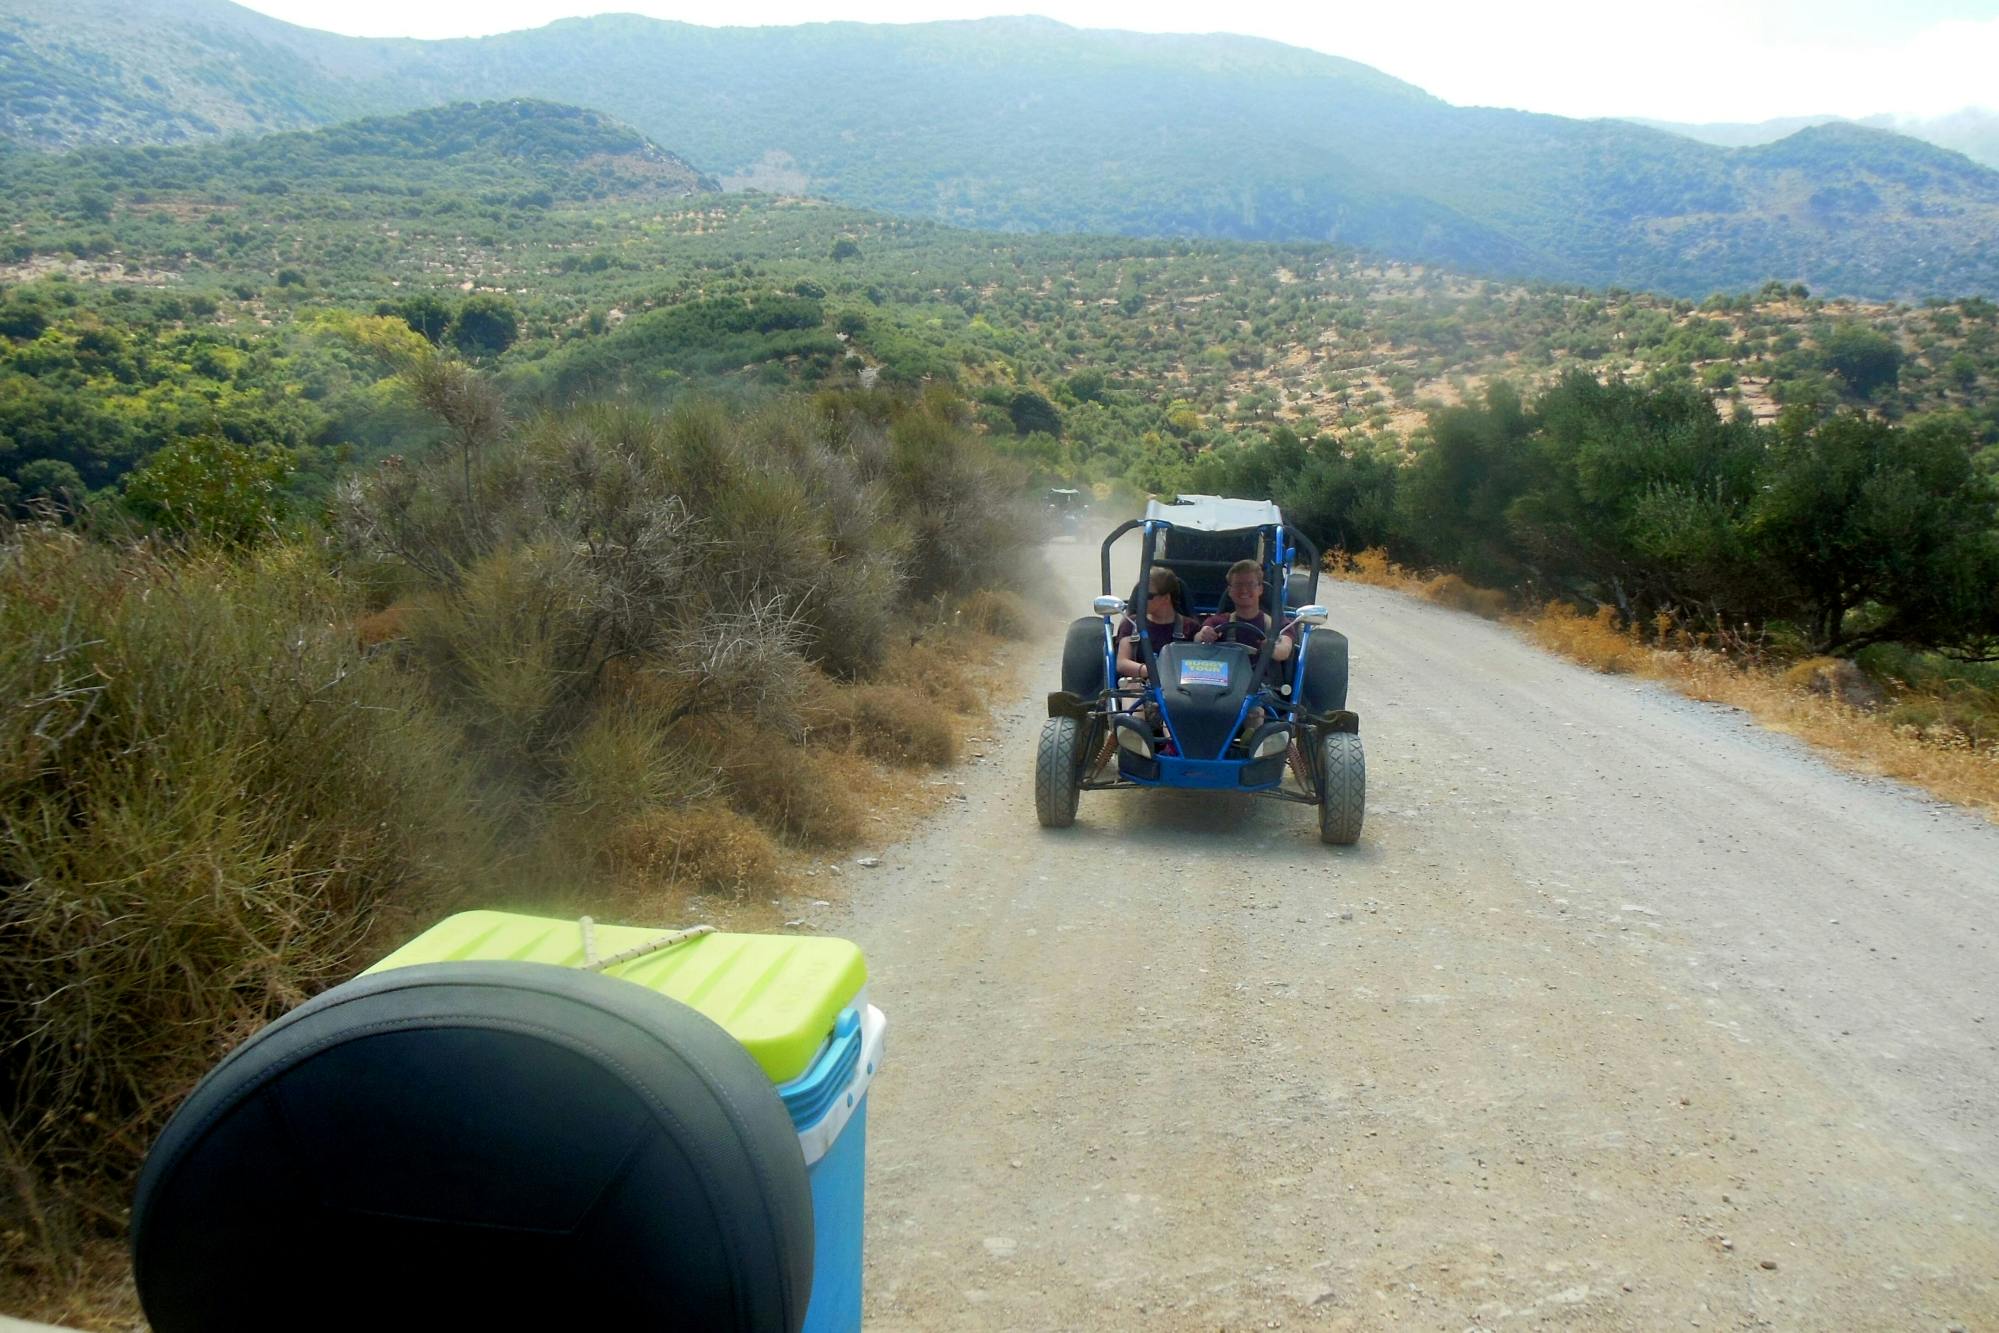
[478,1145]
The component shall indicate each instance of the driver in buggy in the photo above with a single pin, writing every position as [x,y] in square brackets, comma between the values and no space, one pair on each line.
[1247,623]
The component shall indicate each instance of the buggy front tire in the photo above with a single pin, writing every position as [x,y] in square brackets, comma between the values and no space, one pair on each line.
[1342,789]
[1058,772]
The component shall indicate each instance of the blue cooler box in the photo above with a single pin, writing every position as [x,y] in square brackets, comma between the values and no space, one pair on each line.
[829,1107]
[798,1004]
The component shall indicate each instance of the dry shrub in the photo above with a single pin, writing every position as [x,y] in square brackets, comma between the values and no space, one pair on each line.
[1373,567]
[1944,761]
[790,789]
[1452,591]
[1003,615]
[892,723]
[208,793]
[384,626]
[1837,678]
[1595,641]
[940,668]
[708,846]
[618,767]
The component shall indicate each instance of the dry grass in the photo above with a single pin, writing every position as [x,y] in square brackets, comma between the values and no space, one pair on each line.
[1595,641]
[795,790]
[1941,760]
[1373,566]
[709,847]
[1942,739]
[1003,615]
[897,724]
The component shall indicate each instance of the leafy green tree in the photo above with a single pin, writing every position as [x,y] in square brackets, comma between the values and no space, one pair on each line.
[487,325]
[1883,533]
[22,319]
[1087,385]
[1638,496]
[1866,360]
[212,488]
[50,481]
[1452,501]
[425,313]
[1030,412]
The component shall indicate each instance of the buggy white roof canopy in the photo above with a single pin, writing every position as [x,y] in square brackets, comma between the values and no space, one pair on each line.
[1214,513]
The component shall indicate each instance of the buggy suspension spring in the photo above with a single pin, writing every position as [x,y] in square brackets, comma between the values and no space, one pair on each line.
[1299,768]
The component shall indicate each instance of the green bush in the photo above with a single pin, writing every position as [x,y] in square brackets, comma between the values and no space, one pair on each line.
[206,792]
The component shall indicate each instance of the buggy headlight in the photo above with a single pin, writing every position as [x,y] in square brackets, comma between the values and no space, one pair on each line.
[1275,743]
[1132,739]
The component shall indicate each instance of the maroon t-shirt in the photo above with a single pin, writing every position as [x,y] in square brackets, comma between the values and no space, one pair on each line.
[1161,635]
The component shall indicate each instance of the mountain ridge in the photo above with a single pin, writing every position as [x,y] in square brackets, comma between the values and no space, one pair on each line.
[1027,124]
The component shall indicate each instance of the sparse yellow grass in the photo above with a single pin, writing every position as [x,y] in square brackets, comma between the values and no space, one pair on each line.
[897,724]
[708,846]
[1595,641]
[1004,615]
[1912,740]
[796,791]
[1373,566]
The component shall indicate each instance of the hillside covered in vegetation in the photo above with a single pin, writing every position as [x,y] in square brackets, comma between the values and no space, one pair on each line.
[366,480]
[1024,124]
[160,293]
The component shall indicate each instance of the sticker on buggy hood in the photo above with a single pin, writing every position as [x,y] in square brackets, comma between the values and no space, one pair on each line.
[1204,671]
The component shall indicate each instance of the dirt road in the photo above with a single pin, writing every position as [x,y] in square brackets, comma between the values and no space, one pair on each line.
[1622,1014]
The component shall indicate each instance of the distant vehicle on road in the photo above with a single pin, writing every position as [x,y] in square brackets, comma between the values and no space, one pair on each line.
[1067,508]
[1220,716]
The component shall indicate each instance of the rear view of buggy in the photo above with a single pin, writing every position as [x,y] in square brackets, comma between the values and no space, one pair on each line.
[1221,716]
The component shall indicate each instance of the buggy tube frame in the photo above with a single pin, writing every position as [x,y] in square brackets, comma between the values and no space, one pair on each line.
[1176,770]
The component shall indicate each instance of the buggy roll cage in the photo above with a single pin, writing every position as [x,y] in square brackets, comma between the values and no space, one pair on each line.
[1284,548]
[1281,548]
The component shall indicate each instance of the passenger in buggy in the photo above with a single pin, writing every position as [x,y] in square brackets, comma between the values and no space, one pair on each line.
[1165,623]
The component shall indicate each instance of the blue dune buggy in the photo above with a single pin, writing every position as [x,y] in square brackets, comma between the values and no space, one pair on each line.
[1224,716]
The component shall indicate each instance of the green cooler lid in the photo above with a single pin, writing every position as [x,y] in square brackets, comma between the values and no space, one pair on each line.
[776,994]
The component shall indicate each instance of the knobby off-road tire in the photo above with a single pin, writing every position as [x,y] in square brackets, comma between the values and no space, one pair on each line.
[1083,658]
[1058,772]
[1342,789]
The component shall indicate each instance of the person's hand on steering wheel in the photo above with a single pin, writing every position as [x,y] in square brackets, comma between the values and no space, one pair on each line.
[1245,632]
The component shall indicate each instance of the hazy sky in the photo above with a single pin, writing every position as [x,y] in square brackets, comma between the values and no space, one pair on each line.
[1689,60]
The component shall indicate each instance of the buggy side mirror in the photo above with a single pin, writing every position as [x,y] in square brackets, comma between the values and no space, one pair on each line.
[1313,615]
[1108,606]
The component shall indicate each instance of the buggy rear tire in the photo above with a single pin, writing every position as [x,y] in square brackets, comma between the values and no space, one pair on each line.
[1300,588]
[1342,789]
[1325,684]
[1083,658]
[1058,772]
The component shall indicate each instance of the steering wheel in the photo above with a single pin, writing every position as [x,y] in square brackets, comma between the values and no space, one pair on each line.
[1245,632]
